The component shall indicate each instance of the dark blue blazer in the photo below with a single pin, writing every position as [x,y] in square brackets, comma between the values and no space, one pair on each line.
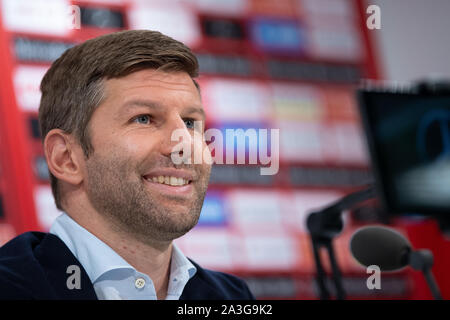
[34,264]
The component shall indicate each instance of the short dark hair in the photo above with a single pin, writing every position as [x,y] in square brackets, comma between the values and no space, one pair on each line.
[73,86]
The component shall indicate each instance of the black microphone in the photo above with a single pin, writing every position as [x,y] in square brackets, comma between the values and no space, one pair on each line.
[390,250]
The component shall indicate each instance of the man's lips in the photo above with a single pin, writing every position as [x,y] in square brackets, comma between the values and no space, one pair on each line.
[170,172]
[170,181]
[179,190]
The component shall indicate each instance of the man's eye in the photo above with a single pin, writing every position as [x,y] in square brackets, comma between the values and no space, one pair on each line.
[189,123]
[142,119]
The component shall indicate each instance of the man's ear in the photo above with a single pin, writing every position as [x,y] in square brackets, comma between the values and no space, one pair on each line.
[64,156]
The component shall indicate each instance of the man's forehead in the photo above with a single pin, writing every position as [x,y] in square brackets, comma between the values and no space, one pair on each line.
[154,85]
[154,78]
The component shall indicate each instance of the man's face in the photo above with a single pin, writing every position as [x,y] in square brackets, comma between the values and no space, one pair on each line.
[131,178]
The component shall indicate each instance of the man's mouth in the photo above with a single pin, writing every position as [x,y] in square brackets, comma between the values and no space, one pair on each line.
[169,180]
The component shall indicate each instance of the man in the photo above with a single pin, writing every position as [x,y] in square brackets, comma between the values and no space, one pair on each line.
[108,109]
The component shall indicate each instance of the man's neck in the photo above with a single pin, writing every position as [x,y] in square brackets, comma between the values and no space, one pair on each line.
[146,259]
[152,259]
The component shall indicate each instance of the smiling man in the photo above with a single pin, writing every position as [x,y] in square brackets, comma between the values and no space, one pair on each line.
[108,109]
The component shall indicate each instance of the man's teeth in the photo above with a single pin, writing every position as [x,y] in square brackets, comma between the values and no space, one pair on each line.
[172,181]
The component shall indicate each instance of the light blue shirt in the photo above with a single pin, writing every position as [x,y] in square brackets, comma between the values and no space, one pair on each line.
[112,277]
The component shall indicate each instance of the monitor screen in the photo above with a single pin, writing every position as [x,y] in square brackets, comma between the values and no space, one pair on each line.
[408,136]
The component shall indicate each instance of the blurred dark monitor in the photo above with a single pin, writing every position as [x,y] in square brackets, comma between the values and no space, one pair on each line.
[223,28]
[408,135]
[102,17]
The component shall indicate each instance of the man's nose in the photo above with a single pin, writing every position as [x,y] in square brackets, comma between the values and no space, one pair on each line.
[176,138]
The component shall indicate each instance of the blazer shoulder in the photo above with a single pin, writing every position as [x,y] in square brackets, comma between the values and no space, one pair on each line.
[34,265]
[18,266]
[13,287]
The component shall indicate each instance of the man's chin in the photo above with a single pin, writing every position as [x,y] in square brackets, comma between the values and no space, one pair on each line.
[175,224]
[166,234]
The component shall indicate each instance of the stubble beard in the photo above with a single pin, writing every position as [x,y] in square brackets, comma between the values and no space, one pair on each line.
[118,193]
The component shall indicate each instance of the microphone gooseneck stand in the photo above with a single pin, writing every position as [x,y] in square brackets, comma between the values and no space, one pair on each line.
[422,260]
[323,226]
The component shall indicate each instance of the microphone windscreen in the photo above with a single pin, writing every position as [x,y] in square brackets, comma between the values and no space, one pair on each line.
[381,246]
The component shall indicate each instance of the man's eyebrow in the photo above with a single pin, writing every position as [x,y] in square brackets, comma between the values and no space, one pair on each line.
[190,110]
[157,106]
[141,103]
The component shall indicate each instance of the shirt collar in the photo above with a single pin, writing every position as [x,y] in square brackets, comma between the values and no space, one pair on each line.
[97,257]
